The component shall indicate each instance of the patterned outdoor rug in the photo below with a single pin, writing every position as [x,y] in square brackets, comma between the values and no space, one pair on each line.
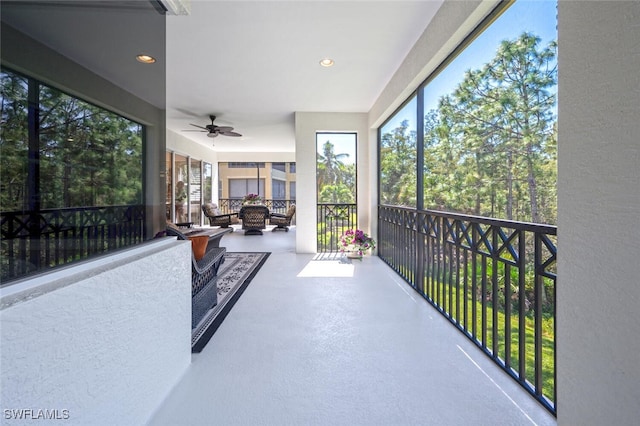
[234,276]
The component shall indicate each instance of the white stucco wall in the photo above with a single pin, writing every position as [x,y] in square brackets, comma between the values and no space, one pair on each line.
[307,125]
[105,340]
[598,210]
[185,146]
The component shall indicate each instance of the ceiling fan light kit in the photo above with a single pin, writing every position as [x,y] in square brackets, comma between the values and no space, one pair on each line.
[214,131]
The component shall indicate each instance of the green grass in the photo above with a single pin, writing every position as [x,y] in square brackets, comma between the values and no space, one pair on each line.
[548,359]
[441,298]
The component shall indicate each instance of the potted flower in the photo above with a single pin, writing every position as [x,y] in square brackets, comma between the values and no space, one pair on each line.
[355,243]
[251,199]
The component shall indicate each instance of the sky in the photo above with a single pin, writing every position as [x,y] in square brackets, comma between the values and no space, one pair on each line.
[535,16]
[343,143]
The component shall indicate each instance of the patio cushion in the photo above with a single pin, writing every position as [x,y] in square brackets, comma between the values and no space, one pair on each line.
[211,209]
[217,218]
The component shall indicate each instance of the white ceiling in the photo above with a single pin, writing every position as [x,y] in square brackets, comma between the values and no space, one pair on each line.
[253,64]
[101,35]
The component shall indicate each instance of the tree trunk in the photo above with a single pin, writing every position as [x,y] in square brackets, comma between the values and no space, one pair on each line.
[509,186]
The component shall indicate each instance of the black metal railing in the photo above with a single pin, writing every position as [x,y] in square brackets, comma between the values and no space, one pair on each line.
[495,280]
[233,205]
[333,220]
[36,241]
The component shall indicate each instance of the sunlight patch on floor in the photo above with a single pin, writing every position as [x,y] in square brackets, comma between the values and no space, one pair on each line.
[328,265]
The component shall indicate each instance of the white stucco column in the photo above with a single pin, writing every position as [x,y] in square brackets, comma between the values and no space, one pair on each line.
[307,125]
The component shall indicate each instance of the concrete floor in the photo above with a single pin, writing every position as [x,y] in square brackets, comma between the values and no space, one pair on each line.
[319,342]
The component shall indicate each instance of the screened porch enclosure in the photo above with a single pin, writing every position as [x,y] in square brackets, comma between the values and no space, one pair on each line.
[493,280]
[71,177]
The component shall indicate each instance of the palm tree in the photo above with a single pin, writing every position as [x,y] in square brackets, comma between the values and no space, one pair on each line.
[330,166]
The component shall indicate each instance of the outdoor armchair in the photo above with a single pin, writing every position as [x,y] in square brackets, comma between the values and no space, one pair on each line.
[282,221]
[204,273]
[216,218]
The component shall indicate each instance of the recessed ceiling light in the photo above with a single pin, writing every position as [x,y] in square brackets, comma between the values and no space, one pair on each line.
[327,62]
[146,59]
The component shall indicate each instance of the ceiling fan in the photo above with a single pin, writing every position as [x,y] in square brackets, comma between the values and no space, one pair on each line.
[213,130]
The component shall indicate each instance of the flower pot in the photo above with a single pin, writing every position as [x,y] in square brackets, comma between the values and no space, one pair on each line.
[353,252]
[355,243]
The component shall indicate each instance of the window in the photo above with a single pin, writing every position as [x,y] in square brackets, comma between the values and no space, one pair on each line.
[88,156]
[398,173]
[336,187]
[292,167]
[181,195]
[238,188]
[278,189]
[195,191]
[236,182]
[207,188]
[83,194]
[190,192]
[14,150]
[292,190]
[237,165]
[169,192]
[336,167]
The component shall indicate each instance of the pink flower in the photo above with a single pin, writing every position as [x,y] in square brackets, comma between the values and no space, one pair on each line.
[356,240]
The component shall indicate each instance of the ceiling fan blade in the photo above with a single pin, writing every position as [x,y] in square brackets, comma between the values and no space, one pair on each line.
[213,130]
[199,127]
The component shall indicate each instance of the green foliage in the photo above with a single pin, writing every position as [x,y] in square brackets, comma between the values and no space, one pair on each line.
[548,342]
[336,194]
[336,185]
[331,228]
[490,145]
[14,142]
[336,180]
[87,156]
[397,162]
[445,295]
